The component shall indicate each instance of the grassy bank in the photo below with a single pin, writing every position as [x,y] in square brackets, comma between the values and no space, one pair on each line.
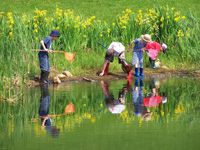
[80,34]
[102,9]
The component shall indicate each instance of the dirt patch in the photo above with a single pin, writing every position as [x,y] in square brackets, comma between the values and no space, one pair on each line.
[93,75]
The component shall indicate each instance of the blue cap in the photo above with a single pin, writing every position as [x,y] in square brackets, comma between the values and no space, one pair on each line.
[54,33]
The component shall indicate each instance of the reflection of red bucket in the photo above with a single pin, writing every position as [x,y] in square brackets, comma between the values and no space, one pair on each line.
[69,109]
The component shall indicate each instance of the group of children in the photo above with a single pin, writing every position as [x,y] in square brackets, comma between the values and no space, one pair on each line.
[115,49]
[141,44]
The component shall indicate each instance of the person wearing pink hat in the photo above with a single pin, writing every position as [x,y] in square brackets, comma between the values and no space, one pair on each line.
[137,59]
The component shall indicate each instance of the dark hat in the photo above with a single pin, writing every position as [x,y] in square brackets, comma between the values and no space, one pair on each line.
[109,55]
[54,33]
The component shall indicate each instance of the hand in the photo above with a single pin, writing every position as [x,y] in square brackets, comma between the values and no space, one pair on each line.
[101,74]
[128,50]
[51,51]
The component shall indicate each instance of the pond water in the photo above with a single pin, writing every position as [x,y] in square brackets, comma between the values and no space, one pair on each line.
[153,113]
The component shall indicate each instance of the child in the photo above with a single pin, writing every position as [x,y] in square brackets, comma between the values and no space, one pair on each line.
[139,108]
[115,106]
[137,59]
[153,98]
[44,57]
[153,50]
[115,49]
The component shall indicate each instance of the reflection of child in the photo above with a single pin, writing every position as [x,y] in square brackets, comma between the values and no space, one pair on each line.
[153,98]
[139,107]
[115,106]
[153,50]
[44,111]
[115,49]
[137,59]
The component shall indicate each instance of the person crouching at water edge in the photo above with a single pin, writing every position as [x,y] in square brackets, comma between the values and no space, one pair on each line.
[153,50]
[115,49]
[44,57]
[137,59]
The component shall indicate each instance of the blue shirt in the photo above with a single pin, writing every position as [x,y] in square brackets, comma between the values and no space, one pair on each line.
[47,43]
[139,45]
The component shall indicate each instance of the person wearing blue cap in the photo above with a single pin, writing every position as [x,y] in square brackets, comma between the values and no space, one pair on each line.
[44,57]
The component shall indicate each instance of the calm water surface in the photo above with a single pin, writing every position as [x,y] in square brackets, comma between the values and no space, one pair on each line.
[154,113]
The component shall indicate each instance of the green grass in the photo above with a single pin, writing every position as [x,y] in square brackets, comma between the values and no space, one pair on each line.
[102,9]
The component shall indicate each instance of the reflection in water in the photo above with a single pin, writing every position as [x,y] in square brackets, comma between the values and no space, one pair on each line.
[139,108]
[115,106]
[177,111]
[44,111]
[151,98]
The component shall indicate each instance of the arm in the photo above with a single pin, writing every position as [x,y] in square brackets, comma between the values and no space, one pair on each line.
[43,45]
[130,45]
[103,69]
[43,123]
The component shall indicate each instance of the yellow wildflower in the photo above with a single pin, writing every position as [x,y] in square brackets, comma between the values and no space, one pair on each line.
[124,27]
[76,26]
[176,19]
[108,30]
[183,17]
[93,120]
[100,35]
[84,36]
[93,17]
[9,14]
[11,33]
[162,18]
[12,21]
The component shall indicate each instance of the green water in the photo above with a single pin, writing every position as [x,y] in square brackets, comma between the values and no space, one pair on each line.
[171,124]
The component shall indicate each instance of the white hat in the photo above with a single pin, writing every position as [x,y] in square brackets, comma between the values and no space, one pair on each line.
[164,46]
[117,109]
[164,100]
[146,37]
